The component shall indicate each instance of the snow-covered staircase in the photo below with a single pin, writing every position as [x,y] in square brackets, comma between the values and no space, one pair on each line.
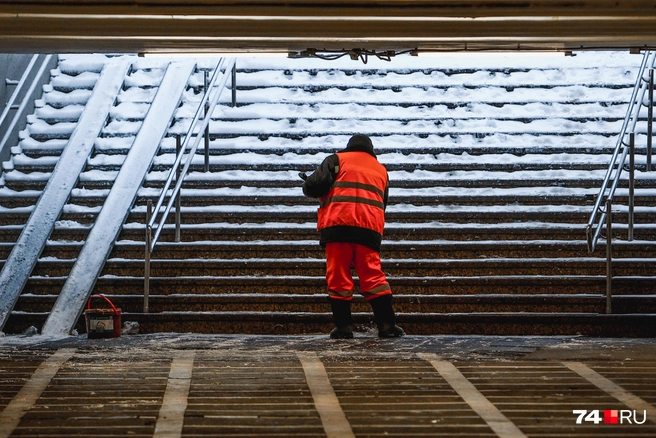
[494,165]
[94,122]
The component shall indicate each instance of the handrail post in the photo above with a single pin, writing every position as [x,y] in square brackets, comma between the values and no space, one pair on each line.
[234,85]
[178,171]
[207,127]
[195,140]
[149,214]
[628,125]
[650,118]
[631,184]
[174,198]
[609,255]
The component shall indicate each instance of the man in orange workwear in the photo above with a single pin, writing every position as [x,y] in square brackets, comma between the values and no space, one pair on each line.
[352,187]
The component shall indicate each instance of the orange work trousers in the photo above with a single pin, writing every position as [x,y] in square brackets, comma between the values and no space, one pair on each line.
[340,257]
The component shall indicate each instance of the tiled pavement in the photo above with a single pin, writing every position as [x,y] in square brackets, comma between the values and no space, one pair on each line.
[173,385]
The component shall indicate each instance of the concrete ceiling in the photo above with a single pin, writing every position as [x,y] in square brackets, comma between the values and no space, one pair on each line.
[49,26]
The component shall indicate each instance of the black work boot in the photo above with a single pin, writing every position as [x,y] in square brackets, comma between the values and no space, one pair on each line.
[385,318]
[342,319]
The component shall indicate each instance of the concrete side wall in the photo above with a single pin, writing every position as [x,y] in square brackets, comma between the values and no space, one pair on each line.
[12,67]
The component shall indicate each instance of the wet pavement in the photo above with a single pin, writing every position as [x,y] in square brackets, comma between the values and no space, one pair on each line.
[310,386]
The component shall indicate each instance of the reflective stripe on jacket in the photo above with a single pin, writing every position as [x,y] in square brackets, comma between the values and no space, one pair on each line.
[356,198]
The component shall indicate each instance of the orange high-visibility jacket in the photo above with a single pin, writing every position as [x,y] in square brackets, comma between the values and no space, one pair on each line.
[356,198]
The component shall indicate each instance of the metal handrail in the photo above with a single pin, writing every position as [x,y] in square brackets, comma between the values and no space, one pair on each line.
[617,162]
[188,137]
[621,150]
[205,106]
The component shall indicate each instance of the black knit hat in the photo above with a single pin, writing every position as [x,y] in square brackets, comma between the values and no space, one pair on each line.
[361,143]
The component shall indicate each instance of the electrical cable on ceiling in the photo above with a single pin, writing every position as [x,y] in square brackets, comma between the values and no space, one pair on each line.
[355,54]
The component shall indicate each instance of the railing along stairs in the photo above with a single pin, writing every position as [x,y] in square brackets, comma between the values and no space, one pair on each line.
[199,124]
[625,147]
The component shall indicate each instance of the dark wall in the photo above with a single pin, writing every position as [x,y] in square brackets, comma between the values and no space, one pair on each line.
[12,67]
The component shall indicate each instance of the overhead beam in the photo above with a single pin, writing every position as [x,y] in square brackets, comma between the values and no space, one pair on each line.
[294,25]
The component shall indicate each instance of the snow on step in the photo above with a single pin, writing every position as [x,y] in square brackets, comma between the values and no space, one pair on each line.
[64,82]
[421,95]
[69,113]
[389,159]
[267,126]
[473,144]
[59,99]
[394,76]
[398,208]
[394,192]
[73,64]
[419,111]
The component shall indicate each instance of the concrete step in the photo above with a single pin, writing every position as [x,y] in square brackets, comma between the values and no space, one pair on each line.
[481,125]
[413,178]
[397,213]
[436,94]
[405,214]
[527,231]
[445,165]
[121,146]
[459,76]
[391,249]
[290,231]
[318,303]
[28,165]
[235,250]
[96,198]
[255,196]
[307,231]
[409,112]
[19,181]
[500,198]
[10,233]
[392,267]
[305,284]
[77,214]
[275,323]
[59,99]
[65,83]
[240,145]
[369,82]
